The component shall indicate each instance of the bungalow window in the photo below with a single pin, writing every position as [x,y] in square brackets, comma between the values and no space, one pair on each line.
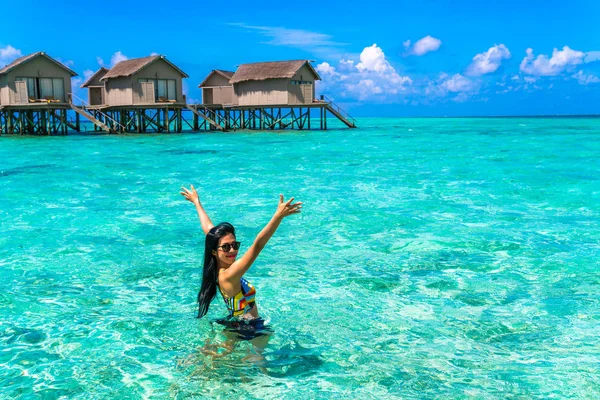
[171,91]
[44,88]
[300,82]
[163,88]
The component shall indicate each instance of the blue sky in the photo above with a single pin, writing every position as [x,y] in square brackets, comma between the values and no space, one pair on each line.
[427,58]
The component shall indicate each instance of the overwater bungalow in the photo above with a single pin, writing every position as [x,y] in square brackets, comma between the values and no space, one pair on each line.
[34,96]
[35,79]
[274,83]
[278,83]
[267,95]
[143,81]
[136,95]
[216,88]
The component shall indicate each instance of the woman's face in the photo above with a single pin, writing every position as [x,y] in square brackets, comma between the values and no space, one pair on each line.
[226,258]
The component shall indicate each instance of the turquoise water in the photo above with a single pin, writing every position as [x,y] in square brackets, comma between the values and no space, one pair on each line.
[435,258]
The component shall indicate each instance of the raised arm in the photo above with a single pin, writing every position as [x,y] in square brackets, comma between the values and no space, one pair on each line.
[239,267]
[192,196]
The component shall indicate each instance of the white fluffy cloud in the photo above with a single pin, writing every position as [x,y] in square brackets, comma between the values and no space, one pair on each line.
[100,61]
[423,45]
[372,78]
[372,58]
[457,85]
[586,79]
[374,64]
[488,61]
[9,54]
[330,78]
[365,88]
[117,58]
[325,69]
[346,65]
[544,66]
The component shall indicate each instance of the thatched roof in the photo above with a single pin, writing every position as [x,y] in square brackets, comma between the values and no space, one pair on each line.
[225,74]
[270,70]
[97,76]
[29,57]
[133,66]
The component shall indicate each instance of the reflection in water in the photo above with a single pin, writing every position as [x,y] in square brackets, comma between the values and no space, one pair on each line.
[242,359]
[292,360]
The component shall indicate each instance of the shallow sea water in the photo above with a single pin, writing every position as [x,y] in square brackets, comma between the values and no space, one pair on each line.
[434,258]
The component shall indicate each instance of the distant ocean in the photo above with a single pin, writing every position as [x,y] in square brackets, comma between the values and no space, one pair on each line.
[434,258]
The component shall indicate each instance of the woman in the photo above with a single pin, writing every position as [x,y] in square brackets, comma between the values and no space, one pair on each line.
[223,270]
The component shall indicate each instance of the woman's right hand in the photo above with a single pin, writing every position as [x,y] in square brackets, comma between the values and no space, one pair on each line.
[285,209]
[190,194]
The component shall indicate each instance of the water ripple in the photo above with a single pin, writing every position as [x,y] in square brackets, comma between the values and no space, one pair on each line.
[435,258]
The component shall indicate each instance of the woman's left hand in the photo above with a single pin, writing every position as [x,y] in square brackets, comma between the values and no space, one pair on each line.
[287,208]
[190,194]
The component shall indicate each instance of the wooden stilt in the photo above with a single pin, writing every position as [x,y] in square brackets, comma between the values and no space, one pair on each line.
[321,116]
[21,123]
[262,119]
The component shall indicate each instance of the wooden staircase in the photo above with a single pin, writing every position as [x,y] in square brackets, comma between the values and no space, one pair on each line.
[202,115]
[339,113]
[82,110]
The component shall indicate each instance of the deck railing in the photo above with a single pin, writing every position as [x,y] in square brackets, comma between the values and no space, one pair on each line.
[339,109]
[219,120]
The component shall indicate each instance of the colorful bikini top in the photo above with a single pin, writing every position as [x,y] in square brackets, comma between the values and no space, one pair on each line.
[242,302]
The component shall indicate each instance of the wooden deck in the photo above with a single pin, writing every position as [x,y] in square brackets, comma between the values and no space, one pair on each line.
[35,106]
[161,106]
[251,107]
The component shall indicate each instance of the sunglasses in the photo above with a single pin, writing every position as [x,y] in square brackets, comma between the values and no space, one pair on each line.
[228,246]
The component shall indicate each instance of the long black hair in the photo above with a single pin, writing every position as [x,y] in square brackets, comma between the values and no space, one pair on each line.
[208,289]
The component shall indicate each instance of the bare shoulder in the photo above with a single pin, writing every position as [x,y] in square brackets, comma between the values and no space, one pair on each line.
[228,286]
